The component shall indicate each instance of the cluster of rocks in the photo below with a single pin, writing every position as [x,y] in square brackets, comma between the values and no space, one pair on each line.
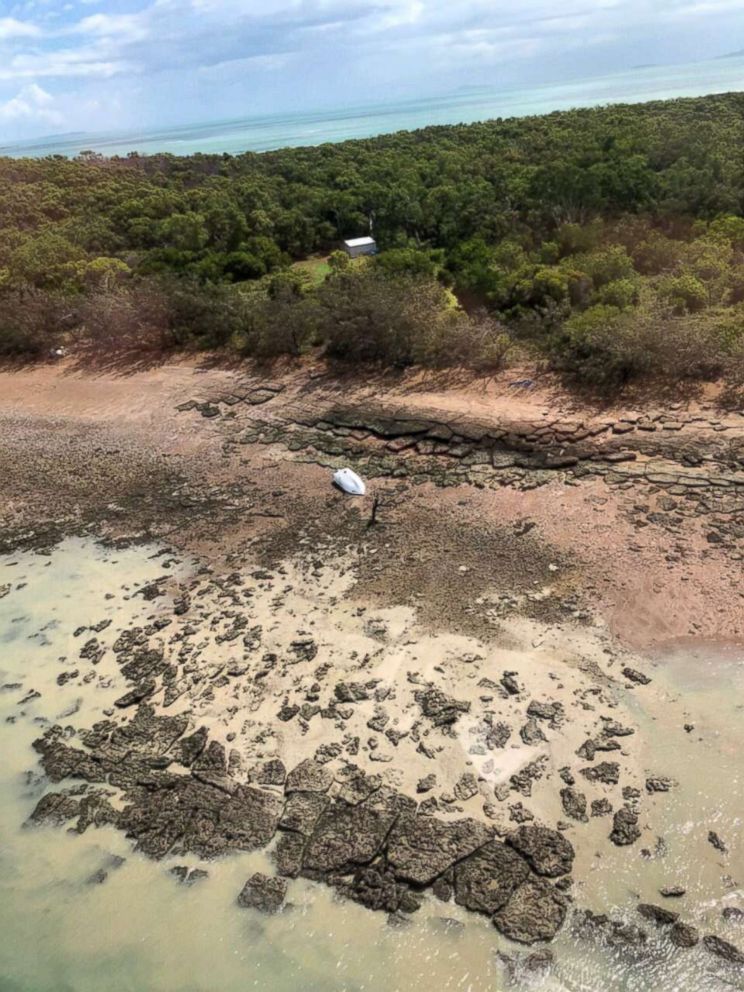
[695,463]
[432,715]
[643,449]
[551,444]
[251,395]
[622,933]
[342,827]
[336,825]
[625,829]
[181,793]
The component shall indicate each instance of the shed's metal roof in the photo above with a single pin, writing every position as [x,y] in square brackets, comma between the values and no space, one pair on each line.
[359,242]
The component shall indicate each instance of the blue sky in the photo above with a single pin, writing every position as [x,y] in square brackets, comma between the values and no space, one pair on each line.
[92,65]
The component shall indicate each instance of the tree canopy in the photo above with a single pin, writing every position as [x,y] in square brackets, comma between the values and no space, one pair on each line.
[559,226]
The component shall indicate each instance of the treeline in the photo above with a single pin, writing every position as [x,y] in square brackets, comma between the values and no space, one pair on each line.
[609,240]
[361,313]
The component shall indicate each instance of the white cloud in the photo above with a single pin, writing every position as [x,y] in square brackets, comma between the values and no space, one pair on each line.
[12,28]
[121,28]
[402,12]
[66,63]
[32,105]
[702,8]
[232,67]
[169,59]
[186,35]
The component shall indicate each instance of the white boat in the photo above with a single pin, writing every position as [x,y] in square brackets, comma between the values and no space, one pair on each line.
[350,482]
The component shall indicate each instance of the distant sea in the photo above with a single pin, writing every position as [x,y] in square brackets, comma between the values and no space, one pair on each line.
[465,106]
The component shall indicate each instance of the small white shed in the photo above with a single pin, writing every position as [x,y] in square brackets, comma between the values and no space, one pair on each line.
[355,247]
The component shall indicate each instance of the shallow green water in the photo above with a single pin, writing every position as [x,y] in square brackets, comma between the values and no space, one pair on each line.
[140,929]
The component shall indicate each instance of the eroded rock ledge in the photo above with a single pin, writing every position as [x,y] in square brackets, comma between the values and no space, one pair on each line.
[669,449]
[680,455]
[339,826]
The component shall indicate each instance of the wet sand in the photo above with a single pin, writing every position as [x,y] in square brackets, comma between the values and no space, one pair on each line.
[522,590]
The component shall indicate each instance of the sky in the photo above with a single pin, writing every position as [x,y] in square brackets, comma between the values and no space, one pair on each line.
[102,65]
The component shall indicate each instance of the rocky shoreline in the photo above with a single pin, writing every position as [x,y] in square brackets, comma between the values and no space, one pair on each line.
[426,705]
[698,459]
[343,828]
[334,824]
[177,787]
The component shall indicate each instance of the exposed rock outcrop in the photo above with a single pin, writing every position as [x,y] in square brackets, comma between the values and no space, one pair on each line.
[263,892]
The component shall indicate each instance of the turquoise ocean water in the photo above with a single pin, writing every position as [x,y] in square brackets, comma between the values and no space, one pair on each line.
[313,128]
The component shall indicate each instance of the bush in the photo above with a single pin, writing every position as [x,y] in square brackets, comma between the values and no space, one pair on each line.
[478,342]
[620,293]
[545,284]
[242,265]
[407,261]
[32,320]
[135,316]
[684,293]
[165,313]
[365,315]
[728,228]
[735,369]
[606,265]
[47,260]
[575,238]
[713,264]
[550,253]
[657,254]
[729,327]
[584,347]
[204,316]
[283,322]
[605,347]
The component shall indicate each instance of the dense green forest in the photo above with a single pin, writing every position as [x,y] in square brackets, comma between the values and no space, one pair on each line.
[609,242]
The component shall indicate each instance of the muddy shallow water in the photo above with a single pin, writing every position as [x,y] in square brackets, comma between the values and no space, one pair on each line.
[140,928]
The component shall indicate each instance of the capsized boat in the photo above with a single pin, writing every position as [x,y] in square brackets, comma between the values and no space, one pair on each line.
[350,482]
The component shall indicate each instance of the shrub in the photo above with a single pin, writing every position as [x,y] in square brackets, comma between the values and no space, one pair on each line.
[365,315]
[711,263]
[407,261]
[47,260]
[32,320]
[204,316]
[605,347]
[284,322]
[735,369]
[728,228]
[685,293]
[729,327]
[105,272]
[620,293]
[184,232]
[338,261]
[575,238]
[544,284]
[243,265]
[165,313]
[478,342]
[583,347]
[550,252]
[657,254]
[135,316]
[606,265]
